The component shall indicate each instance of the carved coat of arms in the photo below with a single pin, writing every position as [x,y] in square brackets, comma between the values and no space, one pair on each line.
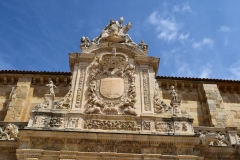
[112,85]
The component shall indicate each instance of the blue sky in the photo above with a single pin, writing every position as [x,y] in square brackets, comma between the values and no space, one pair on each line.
[192,38]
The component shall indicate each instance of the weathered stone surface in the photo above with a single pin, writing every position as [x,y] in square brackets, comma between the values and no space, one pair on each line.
[114,107]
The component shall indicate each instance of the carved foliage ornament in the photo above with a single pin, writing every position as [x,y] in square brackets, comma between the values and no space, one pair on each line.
[9,132]
[80,86]
[112,85]
[159,105]
[111,125]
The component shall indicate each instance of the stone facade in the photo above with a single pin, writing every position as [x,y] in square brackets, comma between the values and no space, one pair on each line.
[112,106]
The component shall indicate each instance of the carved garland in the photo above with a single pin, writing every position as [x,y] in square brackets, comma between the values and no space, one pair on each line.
[80,86]
[159,105]
[111,125]
[145,90]
[106,69]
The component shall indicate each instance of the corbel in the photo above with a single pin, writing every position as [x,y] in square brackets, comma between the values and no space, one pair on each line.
[57,81]
[225,89]
[160,83]
[167,86]
[182,86]
[34,81]
[190,87]
[65,81]
[175,85]
[41,81]
[5,80]
[231,89]
[12,80]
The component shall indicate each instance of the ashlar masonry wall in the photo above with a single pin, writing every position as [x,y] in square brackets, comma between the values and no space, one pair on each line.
[20,93]
[211,103]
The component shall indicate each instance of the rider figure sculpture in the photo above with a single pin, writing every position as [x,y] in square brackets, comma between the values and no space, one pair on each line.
[110,29]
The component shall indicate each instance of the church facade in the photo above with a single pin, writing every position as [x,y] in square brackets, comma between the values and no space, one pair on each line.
[112,106]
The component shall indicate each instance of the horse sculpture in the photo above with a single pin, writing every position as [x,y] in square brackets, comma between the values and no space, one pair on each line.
[114,34]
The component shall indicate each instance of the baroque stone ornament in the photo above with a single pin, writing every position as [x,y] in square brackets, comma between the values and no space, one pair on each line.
[159,105]
[51,87]
[10,132]
[114,32]
[214,139]
[111,125]
[112,87]
[80,86]
[65,102]
[143,46]
[146,90]
[164,126]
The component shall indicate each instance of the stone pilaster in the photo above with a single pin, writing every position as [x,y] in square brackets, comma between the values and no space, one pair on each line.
[19,101]
[215,106]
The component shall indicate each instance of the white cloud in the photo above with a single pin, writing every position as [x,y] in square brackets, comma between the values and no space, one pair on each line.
[167,27]
[183,36]
[224,29]
[175,9]
[204,42]
[186,7]
[235,70]
[205,71]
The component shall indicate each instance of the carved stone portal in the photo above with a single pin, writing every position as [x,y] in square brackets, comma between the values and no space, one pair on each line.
[112,87]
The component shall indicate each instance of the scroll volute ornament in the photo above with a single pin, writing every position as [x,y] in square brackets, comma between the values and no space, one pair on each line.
[112,85]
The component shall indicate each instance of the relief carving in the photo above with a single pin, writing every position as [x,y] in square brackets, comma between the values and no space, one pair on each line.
[159,105]
[40,121]
[112,88]
[145,90]
[127,149]
[65,102]
[9,132]
[111,125]
[46,104]
[164,126]
[56,122]
[80,86]
[184,151]
[146,125]
[73,122]
[214,139]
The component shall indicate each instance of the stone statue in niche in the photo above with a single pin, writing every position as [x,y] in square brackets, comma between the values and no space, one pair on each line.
[112,85]
[51,87]
[114,32]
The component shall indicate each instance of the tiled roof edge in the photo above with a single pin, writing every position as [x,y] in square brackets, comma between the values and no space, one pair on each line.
[157,77]
[196,79]
[33,72]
